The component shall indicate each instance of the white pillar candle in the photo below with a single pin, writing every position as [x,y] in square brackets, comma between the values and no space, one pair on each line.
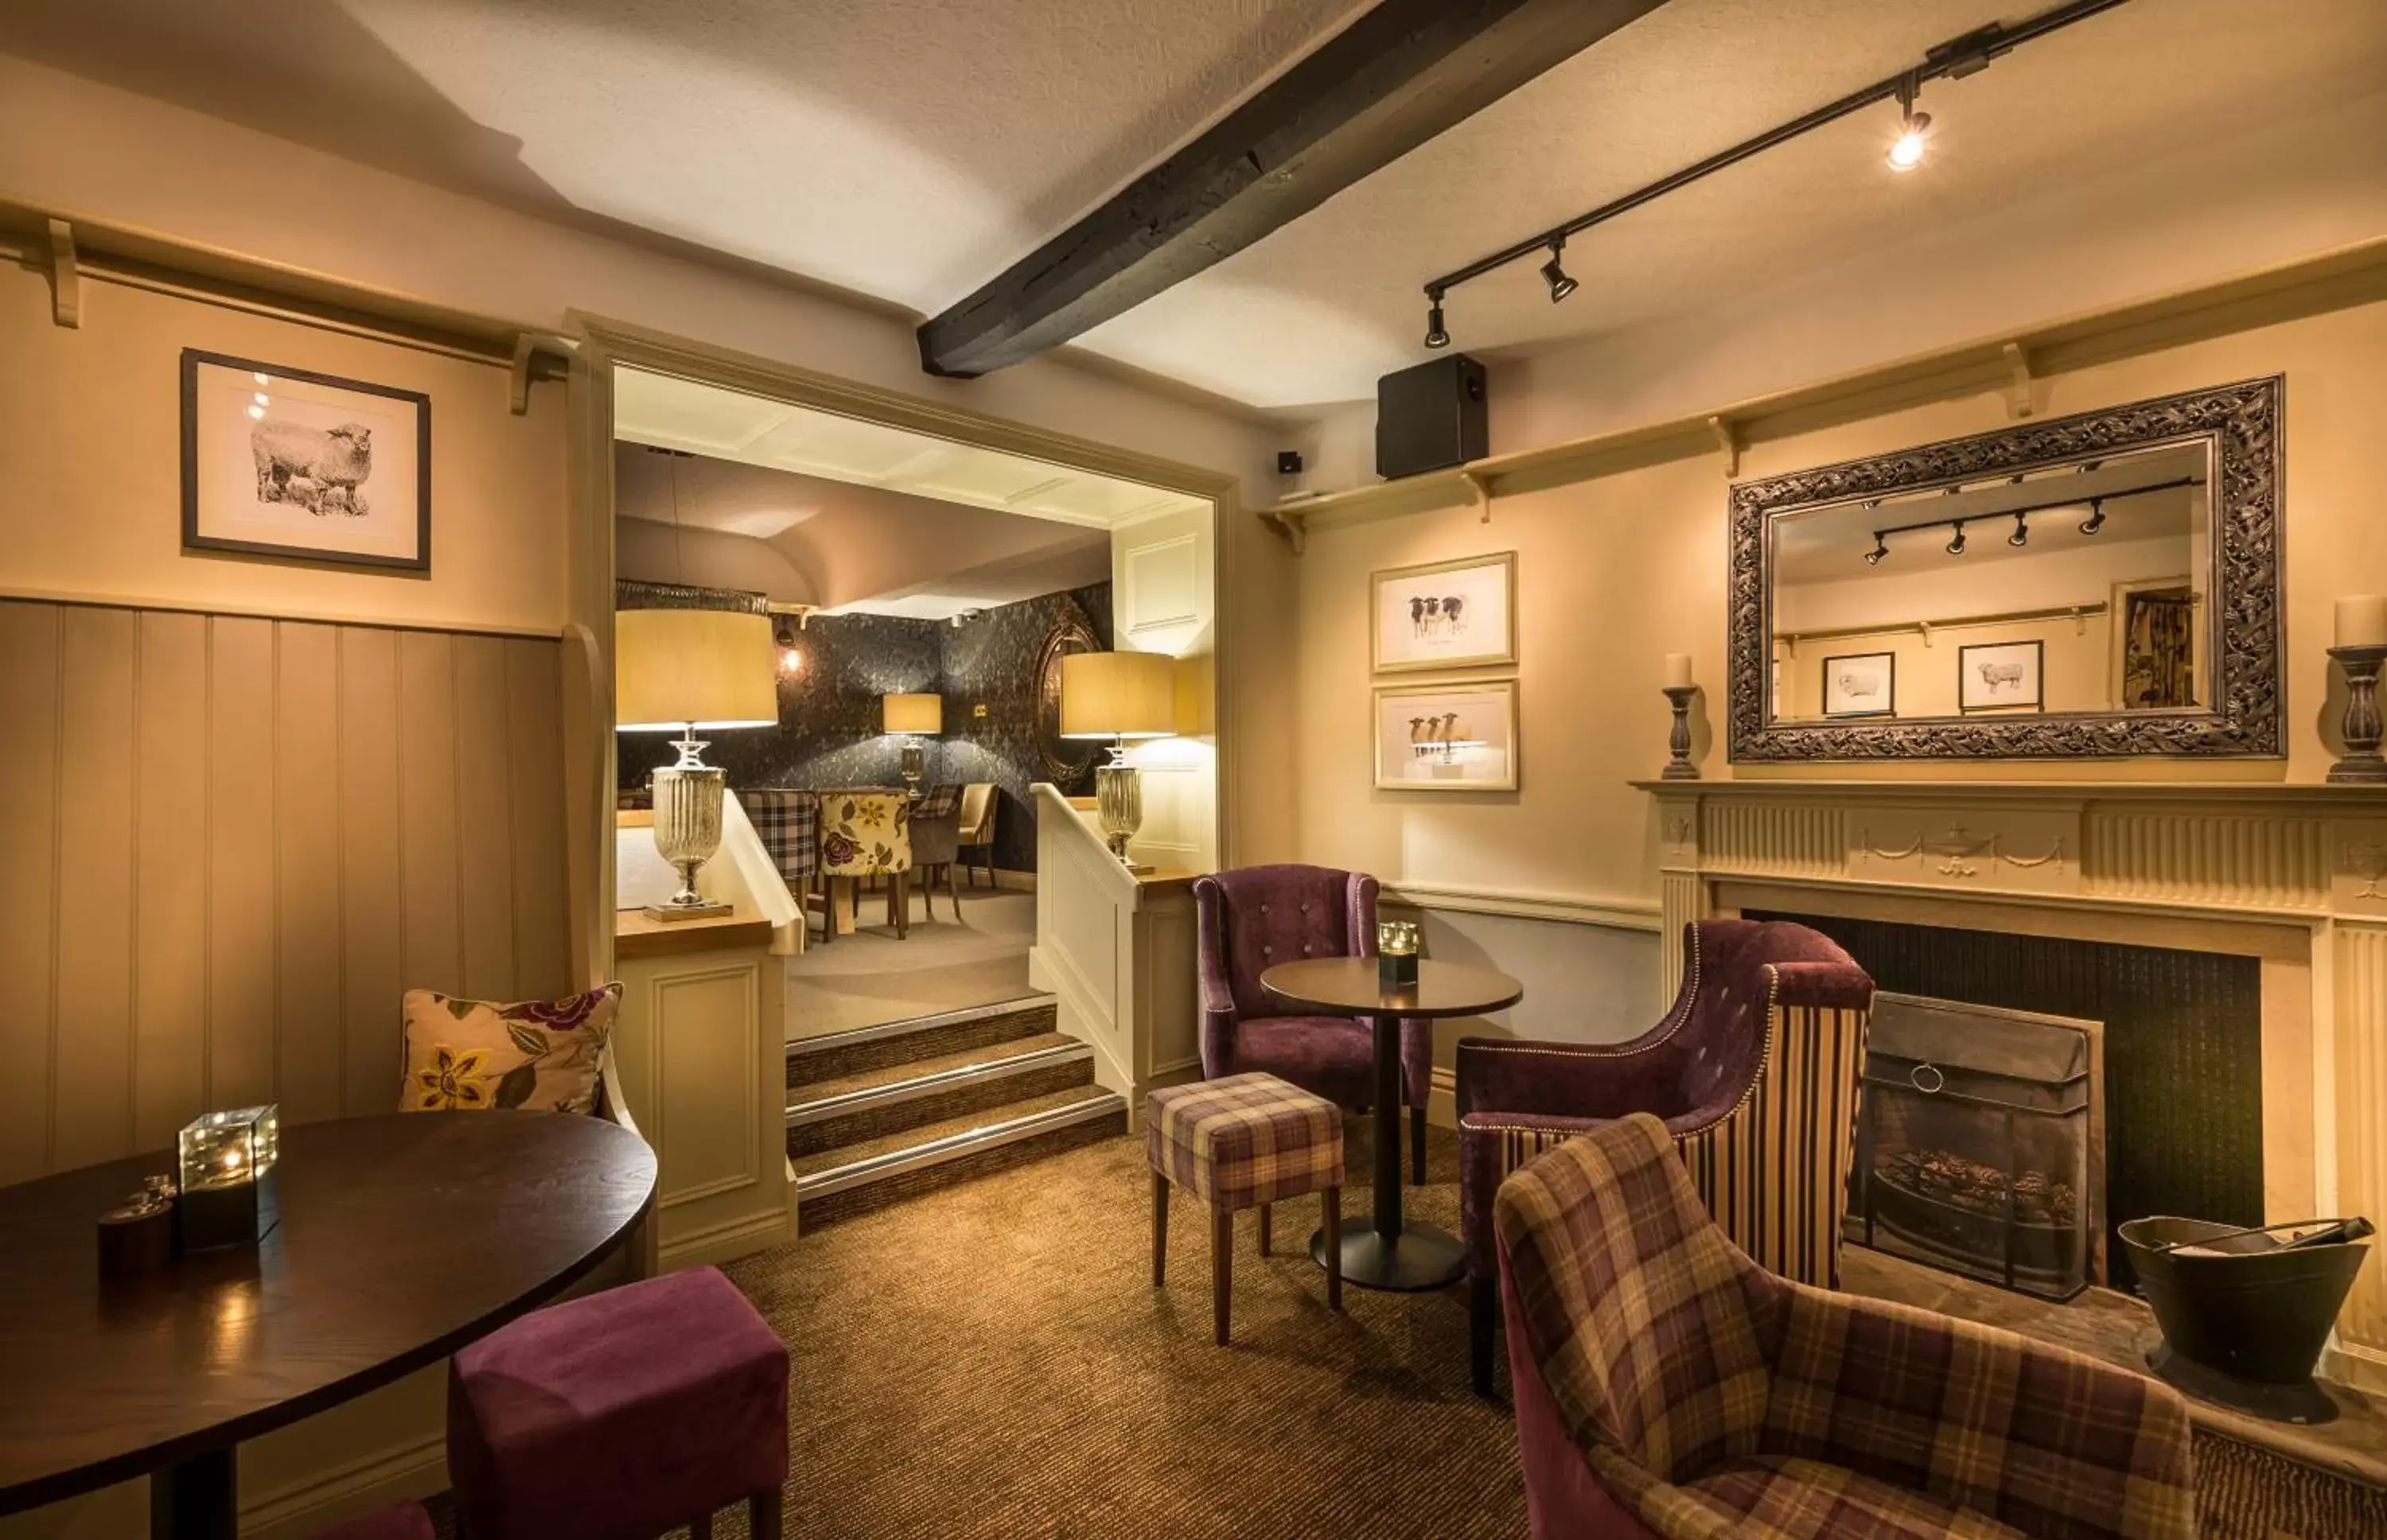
[2362,621]
[1678,664]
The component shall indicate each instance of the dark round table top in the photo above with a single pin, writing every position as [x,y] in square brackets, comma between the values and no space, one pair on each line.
[401,1238]
[1348,986]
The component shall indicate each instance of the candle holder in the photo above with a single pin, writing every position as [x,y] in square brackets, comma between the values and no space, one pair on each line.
[228,1186]
[1678,741]
[1396,955]
[2362,761]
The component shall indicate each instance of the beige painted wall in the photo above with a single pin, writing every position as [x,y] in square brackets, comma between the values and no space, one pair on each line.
[1614,572]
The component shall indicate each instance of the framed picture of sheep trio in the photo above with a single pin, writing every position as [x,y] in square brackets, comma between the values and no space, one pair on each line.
[307,467]
[1447,614]
[1446,738]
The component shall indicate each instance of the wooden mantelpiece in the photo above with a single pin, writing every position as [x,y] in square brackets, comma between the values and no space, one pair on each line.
[2294,875]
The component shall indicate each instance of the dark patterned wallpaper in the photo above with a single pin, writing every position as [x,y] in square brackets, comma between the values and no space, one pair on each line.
[830,711]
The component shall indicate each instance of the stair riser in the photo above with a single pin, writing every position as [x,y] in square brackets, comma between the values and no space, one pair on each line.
[970,1096]
[814,1213]
[928,1042]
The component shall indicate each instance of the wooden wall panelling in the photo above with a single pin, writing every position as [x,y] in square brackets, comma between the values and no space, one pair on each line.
[309,1077]
[427,815]
[372,885]
[93,1039]
[170,900]
[542,921]
[28,703]
[484,780]
[242,1023]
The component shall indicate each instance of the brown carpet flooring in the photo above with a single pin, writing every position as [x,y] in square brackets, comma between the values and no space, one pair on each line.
[993,1360]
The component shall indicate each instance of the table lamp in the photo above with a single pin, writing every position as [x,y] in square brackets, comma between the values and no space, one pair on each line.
[1118,696]
[681,671]
[913,717]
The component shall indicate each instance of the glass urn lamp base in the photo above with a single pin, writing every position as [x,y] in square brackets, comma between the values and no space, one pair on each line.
[1118,802]
[687,830]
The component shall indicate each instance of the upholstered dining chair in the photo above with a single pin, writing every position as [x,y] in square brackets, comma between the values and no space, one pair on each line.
[936,844]
[980,804]
[1254,917]
[1668,1388]
[788,822]
[1755,1072]
[866,832]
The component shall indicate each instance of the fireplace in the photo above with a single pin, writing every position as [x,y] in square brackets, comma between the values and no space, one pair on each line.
[1980,1144]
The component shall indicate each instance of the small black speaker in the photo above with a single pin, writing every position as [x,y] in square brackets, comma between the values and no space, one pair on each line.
[1432,417]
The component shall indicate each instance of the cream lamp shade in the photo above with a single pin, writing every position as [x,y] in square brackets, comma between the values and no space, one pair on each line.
[1119,695]
[710,667]
[912,713]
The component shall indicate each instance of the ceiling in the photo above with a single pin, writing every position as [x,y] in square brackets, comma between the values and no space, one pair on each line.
[907,150]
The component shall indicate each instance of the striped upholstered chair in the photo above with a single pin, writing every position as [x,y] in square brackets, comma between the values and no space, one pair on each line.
[1755,1072]
[1668,1388]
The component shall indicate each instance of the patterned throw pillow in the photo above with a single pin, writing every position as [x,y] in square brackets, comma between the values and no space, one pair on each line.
[464,1055]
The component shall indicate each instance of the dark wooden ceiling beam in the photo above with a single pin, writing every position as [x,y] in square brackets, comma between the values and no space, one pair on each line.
[1392,79]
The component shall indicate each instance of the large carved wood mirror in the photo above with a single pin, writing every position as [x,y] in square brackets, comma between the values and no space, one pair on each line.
[2088,587]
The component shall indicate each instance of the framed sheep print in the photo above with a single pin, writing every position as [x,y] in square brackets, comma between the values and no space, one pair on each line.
[2000,676]
[1860,684]
[1446,738]
[1449,615]
[307,467]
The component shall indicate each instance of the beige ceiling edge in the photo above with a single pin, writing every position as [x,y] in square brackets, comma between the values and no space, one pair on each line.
[2333,280]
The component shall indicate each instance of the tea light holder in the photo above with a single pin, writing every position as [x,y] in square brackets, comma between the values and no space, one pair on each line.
[1396,955]
[137,1236]
[227,1188]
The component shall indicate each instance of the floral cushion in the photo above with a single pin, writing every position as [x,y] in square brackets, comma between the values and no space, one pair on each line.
[464,1055]
[864,833]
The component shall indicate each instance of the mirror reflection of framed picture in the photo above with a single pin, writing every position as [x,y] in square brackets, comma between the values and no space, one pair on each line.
[1446,614]
[308,467]
[1860,684]
[1446,738]
[2001,677]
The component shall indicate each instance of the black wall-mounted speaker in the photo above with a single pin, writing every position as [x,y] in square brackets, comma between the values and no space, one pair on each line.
[1432,417]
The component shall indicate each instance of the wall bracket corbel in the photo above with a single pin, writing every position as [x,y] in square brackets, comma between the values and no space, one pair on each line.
[1289,522]
[66,276]
[528,345]
[2017,391]
[1727,437]
[1482,489]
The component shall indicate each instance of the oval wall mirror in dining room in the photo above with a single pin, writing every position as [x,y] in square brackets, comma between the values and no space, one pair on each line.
[2092,587]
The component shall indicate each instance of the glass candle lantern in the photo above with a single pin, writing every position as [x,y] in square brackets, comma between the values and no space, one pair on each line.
[1396,953]
[227,1178]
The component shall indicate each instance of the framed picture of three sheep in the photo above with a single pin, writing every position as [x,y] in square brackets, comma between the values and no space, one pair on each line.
[1455,734]
[289,463]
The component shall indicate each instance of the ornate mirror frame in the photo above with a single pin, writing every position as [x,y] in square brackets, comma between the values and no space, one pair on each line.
[2240,423]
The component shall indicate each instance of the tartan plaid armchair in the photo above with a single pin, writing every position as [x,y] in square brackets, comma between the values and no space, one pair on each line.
[1755,1071]
[1668,1386]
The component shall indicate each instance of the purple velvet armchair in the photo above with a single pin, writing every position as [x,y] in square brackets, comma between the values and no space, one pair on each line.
[1755,1072]
[1257,917]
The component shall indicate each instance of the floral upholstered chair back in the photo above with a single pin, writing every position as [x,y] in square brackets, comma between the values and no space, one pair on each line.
[864,833]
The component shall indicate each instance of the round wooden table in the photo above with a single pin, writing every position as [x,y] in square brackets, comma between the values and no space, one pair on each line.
[1389,1253]
[401,1238]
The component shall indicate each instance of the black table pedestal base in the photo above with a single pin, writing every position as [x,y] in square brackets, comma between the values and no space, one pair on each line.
[1420,1258]
[197,1498]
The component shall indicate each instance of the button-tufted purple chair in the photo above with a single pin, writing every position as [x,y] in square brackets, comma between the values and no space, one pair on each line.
[1755,1072]
[1257,917]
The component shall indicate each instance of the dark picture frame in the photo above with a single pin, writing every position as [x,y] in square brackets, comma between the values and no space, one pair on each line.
[1966,674]
[197,535]
[1823,694]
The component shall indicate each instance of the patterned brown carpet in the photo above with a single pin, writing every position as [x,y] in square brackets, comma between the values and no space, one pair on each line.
[993,1361]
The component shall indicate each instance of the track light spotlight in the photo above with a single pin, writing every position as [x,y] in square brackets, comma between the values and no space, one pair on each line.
[1435,335]
[1880,550]
[1556,277]
[2021,537]
[1957,545]
[1906,150]
[2096,519]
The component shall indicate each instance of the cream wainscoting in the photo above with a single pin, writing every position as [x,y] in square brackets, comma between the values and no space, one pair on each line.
[2293,875]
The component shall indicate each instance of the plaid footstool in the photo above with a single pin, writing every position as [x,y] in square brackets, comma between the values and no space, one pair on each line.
[1243,1142]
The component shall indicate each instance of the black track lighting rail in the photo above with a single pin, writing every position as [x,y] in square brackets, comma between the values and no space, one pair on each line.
[2039,507]
[1951,61]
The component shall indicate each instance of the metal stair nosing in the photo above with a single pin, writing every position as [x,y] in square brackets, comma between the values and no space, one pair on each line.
[838,1178]
[870,1098]
[802,1048]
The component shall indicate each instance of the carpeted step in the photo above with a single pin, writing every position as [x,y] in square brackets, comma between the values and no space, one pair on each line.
[838,1056]
[852,1178]
[853,1108]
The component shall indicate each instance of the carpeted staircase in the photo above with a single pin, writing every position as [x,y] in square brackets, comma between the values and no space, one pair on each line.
[884,1113]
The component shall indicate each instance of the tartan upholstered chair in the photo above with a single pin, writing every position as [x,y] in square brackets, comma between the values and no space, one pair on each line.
[936,845]
[1755,1071]
[1668,1386]
[1251,919]
[788,822]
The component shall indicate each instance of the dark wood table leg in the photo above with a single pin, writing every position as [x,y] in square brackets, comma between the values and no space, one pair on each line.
[197,1499]
[1391,1253]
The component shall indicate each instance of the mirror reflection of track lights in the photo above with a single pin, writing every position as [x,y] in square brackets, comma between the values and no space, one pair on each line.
[1954,59]
[2096,519]
[1956,541]
[2021,536]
